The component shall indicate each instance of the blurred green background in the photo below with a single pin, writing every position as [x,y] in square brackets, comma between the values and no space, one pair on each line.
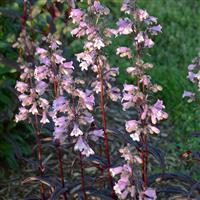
[172,53]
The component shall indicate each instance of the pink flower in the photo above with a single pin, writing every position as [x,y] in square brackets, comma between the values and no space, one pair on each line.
[41,72]
[157,112]
[124,51]
[83,147]
[155,29]
[109,32]
[153,129]
[59,133]
[121,185]
[84,66]
[43,103]
[86,118]
[98,43]
[87,98]
[114,94]
[59,104]
[191,67]
[100,9]
[40,51]
[141,14]
[21,86]
[33,109]
[98,133]
[150,194]
[60,121]
[44,119]
[148,42]
[125,7]
[135,136]
[130,88]
[66,68]
[190,95]
[41,87]
[58,59]
[124,26]
[77,15]
[132,71]
[140,37]
[76,131]
[131,125]
[151,19]
[55,44]
[191,76]
[115,171]
[25,99]
[22,115]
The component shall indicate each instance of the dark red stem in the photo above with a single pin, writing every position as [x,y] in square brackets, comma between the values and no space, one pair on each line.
[144,152]
[59,155]
[82,178]
[24,17]
[103,117]
[39,155]
[146,161]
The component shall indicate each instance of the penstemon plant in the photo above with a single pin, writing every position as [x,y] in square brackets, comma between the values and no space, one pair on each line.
[139,26]
[69,102]
[90,25]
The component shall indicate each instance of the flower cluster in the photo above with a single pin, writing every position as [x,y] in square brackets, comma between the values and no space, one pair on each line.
[69,108]
[140,26]
[126,185]
[136,95]
[194,77]
[92,56]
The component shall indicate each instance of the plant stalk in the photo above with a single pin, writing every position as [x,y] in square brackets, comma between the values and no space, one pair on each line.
[104,122]
[59,154]
[82,178]
[39,155]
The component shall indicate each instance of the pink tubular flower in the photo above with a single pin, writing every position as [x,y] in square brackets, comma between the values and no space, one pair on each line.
[59,104]
[115,171]
[22,115]
[77,15]
[41,87]
[41,72]
[125,7]
[140,37]
[155,29]
[141,14]
[124,26]
[148,194]
[67,67]
[157,113]
[76,131]
[83,147]
[21,86]
[40,51]
[87,98]
[124,187]
[98,9]
[124,51]
[189,95]
[44,119]
[131,125]
[148,42]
